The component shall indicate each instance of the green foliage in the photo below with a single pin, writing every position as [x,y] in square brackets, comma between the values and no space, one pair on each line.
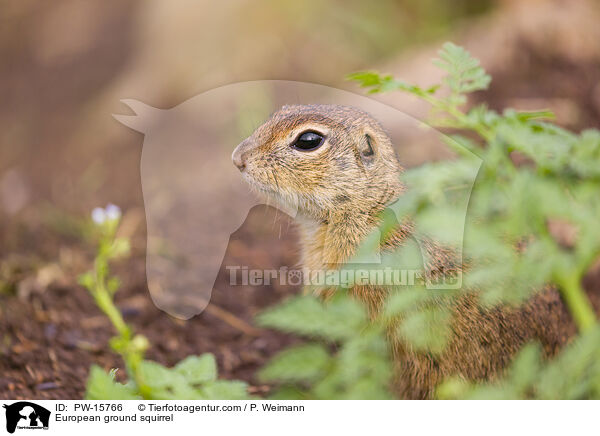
[195,377]
[102,386]
[532,221]
[419,316]
[305,363]
[464,73]
[350,362]
[305,315]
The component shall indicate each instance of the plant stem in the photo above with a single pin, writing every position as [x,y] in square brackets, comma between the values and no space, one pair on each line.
[105,303]
[131,353]
[577,302]
[460,117]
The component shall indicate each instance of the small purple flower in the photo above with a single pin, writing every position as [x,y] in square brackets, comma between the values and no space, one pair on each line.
[98,215]
[110,213]
[113,212]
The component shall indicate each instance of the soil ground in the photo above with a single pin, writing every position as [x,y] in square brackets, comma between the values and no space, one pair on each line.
[51,336]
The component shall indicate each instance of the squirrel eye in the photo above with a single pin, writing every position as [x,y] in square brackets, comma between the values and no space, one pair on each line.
[308,141]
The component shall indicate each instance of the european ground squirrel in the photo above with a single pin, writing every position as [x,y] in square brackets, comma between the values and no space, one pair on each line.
[336,166]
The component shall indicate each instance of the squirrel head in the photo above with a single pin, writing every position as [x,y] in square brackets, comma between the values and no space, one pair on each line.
[321,159]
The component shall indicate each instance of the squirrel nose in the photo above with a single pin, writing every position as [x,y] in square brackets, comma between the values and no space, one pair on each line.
[240,153]
[238,160]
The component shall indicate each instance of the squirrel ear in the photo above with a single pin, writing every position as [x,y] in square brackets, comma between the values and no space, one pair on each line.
[367,149]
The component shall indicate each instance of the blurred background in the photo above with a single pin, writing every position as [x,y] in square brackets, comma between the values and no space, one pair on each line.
[66,64]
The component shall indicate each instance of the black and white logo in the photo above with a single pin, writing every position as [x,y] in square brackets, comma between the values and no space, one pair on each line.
[26,415]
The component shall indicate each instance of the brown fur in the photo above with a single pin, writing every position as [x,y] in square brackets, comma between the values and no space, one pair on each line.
[339,195]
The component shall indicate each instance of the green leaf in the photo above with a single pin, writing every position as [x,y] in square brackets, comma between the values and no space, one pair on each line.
[101,386]
[113,284]
[403,301]
[307,315]
[464,73]
[462,145]
[366,357]
[198,369]
[87,280]
[361,370]
[289,393]
[525,367]
[386,83]
[575,373]
[453,388]
[297,364]
[166,384]
[119,248]
[529,115]
[365,79]
[224,390]
[427,329]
